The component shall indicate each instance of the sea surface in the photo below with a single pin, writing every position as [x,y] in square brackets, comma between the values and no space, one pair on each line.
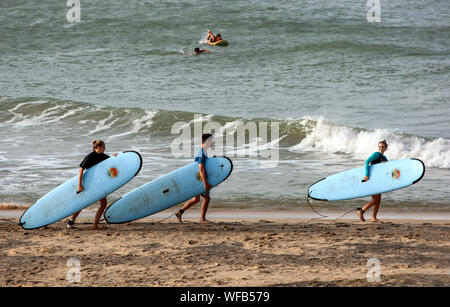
[321,84]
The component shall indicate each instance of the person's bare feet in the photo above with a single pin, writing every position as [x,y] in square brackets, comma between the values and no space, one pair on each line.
[361,216]
[97,227]
[205,221]
[178,215]
[376,221]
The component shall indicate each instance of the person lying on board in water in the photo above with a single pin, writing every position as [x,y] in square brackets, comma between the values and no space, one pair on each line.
[210,37]
[200,158]
[96,156]
[375,158]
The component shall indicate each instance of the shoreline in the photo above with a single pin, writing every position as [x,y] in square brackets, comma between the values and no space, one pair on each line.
[260,214]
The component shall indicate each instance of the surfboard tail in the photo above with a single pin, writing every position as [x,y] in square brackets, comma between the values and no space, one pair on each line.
[231,169]
[423,173]
[140,158]
[309,191]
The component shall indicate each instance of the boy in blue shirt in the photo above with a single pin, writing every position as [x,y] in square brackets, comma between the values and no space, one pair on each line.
[200,158]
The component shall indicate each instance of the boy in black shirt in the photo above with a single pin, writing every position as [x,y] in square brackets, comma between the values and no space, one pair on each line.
[96,156]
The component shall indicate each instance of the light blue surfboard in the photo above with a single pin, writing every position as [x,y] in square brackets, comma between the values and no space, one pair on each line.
[98,181]
[167,191]
[384,177]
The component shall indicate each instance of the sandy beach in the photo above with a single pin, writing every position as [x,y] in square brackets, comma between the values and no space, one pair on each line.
[227,252]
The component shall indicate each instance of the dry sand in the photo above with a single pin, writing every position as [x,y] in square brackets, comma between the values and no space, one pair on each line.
[227,253]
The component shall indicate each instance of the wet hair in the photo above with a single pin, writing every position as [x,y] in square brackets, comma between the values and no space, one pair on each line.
[383,142]
[206,136]
[197,49]
[97,144]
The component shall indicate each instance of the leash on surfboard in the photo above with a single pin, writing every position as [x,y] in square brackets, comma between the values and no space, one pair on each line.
[165,218]
[324,216]
[346,213]
[312,208]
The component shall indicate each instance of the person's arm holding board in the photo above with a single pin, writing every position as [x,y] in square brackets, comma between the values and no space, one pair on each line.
[80,180]
[376,157]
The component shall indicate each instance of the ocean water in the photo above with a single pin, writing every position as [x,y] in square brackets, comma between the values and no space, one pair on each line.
[332,82]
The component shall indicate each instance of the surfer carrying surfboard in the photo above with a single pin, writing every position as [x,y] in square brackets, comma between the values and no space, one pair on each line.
[200,158]
[96,156]
[375,158]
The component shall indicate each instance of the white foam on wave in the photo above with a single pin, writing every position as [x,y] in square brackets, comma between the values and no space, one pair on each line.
[250,147]
[104,124]
[360,144]
[47,116]
[139,124]
[199,119]
[50,115]
[18,117]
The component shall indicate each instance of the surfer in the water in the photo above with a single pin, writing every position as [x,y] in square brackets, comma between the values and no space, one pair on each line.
[198,51]
[376,157]
[200,158]
[96,156]
[210,37]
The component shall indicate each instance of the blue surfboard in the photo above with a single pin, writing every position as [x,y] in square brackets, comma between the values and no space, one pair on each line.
[167,191]
[383,177]
[98,181]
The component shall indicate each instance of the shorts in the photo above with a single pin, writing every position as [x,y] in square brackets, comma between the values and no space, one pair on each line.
[205,194]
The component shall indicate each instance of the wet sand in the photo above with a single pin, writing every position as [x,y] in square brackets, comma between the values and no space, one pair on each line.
[227,252]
